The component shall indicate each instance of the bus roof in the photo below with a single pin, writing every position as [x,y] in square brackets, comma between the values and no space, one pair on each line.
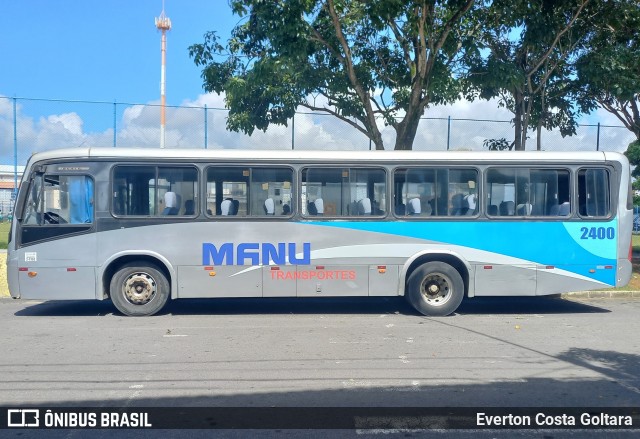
[324,155]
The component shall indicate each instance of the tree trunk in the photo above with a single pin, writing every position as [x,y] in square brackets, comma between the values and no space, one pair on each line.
[406,131]
[517,121]
[376,138]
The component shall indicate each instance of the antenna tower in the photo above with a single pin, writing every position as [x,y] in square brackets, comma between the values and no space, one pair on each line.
[163,24]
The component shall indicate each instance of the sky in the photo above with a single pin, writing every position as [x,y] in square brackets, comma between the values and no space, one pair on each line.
[106,51]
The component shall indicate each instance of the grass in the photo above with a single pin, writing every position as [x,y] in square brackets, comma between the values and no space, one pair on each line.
[635,242]
[4,234]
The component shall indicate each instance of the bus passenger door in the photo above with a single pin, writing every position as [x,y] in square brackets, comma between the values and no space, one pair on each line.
[56,238]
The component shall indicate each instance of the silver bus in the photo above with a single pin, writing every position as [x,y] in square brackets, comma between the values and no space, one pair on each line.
[144,226]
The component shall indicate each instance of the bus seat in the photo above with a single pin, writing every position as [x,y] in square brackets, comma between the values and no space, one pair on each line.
[564,209]
[524,209]
[225,207]
[364,206]
[537,209]
[189,207]
[236,207]
[170,204]
[401,209]
[470,204]
[269,207]
[319,203]
[492,210]
[507,208]
[457,207]
[414,206]
[311,208]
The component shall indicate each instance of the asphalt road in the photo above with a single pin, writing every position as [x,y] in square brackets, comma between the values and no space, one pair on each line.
[499,352]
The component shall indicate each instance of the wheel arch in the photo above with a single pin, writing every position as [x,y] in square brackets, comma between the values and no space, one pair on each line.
[452,258]
[113,264]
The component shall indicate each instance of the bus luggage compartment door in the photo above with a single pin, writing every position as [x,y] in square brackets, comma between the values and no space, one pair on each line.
[333,280]
[52,271]
[505,280]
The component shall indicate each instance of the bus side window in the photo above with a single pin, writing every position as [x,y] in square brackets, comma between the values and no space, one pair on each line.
[594,193]
[528,192]
[425,192]
[343,192]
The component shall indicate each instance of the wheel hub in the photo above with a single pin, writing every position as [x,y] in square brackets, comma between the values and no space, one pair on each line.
[139,288]
[436,288]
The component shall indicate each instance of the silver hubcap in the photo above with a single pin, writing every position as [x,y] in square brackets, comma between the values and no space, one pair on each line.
[436,289]
[139,288]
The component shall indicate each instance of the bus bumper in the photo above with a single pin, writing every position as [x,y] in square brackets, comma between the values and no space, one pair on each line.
[12,275]
[625,269]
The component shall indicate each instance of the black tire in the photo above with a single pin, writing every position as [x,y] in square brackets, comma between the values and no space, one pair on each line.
[435,289]
[139,289]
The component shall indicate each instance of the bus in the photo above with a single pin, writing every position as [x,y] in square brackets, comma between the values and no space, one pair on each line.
[144,226]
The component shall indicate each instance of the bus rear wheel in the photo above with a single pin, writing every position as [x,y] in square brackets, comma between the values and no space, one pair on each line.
[435,289]
[139,289]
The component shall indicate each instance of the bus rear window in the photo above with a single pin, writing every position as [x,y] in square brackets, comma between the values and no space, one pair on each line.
[594,193]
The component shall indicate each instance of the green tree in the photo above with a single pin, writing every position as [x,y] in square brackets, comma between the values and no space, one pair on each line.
[524,60]
[360,61]
[609,68]
[633,154]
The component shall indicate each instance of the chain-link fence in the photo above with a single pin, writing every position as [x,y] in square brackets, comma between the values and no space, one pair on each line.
[31,125]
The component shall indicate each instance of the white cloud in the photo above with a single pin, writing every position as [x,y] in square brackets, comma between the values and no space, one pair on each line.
[139,125]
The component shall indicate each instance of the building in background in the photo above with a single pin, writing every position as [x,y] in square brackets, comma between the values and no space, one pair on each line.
[7,187]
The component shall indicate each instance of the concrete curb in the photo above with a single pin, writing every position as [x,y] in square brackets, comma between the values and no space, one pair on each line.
[602,295]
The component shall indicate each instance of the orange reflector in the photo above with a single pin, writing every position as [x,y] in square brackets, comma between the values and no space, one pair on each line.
[592,271]
[32,273]
[212,273]
[71,269]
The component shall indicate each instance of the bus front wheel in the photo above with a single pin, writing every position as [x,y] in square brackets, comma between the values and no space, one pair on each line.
[435,289]
[139,289]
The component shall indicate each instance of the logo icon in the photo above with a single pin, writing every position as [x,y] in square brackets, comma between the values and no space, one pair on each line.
[23,418]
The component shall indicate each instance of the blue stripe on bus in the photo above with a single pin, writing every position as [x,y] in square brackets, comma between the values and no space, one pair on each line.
[565,245]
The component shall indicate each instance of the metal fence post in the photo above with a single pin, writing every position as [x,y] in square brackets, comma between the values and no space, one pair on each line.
[293,131]
[598,138]
[448,132]
[15,150]
[205,126]
[114,123]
